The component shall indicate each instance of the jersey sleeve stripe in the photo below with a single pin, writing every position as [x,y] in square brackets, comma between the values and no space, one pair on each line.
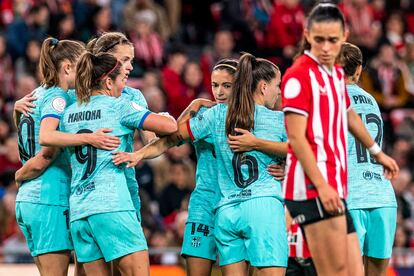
[51,116]
[189,131]
[295,110]
[143,119]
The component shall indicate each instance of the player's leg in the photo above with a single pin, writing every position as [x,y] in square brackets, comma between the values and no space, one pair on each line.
[230,244]
[236,269]
[355,265]
[47,233]
[199,248]
[121,240]
[380,239]
[135,264]
[56,263]
[198,266]
[264,229]
[88,257]
[96,268]
[327,241]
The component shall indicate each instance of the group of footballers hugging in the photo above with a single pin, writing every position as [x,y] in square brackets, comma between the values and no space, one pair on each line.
[77,187]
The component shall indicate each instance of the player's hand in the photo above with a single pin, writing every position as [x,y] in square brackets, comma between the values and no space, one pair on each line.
[132,159]
[277,171]
[205,102]
[246,141]
[331,200]
[391,168]
[25,104]
[101,140]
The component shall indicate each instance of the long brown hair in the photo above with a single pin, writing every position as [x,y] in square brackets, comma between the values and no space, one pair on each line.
[107,42]
[52,53]
[250,71]
[91,73]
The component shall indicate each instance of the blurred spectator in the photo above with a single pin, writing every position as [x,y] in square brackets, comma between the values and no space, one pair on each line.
[9,156]
[27,65]
[172,195]
[285,29]
[6,70]
[383,78]
[63,27]
[155,99]
[400,184]
[173,9]
[394,33]
[222,48]
[149,47]
[100,21]
[24,85]
[172,82]
[161,25]
[8,224]
[193,83]
[32,26]
[364,30]
[145,177]
[402,237]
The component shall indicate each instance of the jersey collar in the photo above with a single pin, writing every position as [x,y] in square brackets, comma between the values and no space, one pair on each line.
[310,55]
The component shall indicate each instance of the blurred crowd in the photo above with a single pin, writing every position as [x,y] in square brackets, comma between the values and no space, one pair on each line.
[176,45]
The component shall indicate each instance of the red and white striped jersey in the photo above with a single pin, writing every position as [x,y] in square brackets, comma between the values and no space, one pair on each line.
[309,89]
[298,248]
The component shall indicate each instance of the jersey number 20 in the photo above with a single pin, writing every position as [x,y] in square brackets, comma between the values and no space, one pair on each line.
[89,157]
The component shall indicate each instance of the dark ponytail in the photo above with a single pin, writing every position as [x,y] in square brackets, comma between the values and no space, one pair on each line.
[241,104]
[91,73]
[323,12]
[52,53]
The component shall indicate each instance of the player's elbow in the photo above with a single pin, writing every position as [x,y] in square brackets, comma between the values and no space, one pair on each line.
[44,139]
[170,127]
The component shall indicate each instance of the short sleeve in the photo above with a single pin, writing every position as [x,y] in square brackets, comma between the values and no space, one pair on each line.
[132,115]
[135,95]
[54,104]
[200,126]
[296,94]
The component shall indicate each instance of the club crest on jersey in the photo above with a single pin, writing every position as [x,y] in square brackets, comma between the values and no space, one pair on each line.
[196,241]
[59,104]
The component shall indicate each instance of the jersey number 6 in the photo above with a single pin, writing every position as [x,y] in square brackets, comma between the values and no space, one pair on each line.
[240,159]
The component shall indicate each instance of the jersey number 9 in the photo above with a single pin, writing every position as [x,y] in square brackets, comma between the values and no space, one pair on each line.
[89,157]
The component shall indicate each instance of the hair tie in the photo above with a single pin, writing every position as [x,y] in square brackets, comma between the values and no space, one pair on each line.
[110,71]
[54,41]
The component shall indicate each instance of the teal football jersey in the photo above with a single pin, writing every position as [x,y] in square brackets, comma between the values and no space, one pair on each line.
[52,186]
[202,200]
[367,187]
[241,176]
[133,95]
[98,186]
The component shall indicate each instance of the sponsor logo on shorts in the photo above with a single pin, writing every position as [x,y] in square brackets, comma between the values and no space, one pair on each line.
[85,187]
[299,219]
[196,241]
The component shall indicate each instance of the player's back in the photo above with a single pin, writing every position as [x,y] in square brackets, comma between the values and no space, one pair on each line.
[242,176]
[367,187]
[52,186]
[98,185]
